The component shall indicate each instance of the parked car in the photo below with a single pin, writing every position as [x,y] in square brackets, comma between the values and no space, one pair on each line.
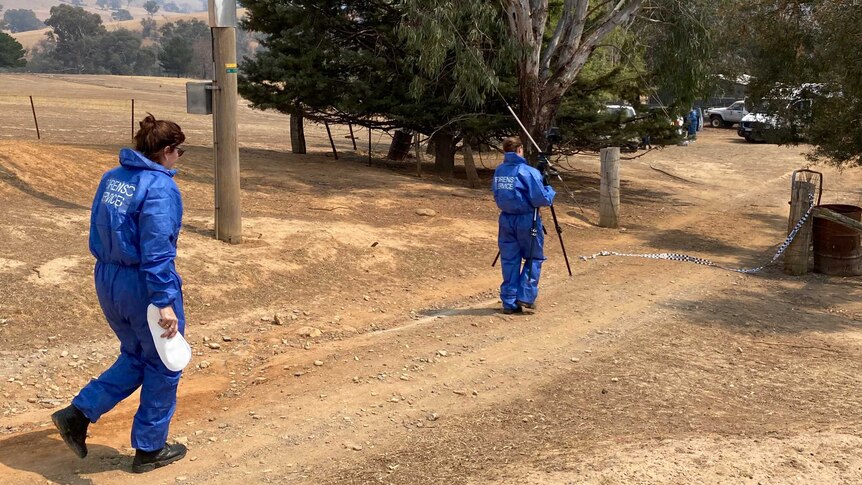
[755,126]
[624,113]
[726,117]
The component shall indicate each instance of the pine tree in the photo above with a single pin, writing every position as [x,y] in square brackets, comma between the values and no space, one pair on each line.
[347,62]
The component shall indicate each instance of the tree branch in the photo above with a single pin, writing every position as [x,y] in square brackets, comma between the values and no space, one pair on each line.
[564,25]
[573,39]
[570,61]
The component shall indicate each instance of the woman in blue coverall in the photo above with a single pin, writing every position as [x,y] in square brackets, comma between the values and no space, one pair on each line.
[134,225]
[518,190]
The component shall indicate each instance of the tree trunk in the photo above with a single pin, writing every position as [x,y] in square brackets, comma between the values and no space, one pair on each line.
[548,67]
[537,114]
[537,119]
[297,133]
[470,167]
[444,154]
[429,148]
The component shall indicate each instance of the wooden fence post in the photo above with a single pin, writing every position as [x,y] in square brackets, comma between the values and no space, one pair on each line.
[797,254]
[331,141]
[609,196]
[133,118]
[33,107]
[352,137]
[419,158]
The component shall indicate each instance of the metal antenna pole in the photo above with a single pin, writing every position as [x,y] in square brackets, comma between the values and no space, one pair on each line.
[552,171]
[522,126]
[560,235]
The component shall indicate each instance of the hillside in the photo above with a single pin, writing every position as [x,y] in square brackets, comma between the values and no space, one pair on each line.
[42,7]
[29,39]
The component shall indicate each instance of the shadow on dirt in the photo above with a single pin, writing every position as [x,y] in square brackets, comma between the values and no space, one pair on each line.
[451,312]
[9,177]
[794,305]
[45,454]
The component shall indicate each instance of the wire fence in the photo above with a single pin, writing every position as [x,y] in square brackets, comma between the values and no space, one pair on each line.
[114,121]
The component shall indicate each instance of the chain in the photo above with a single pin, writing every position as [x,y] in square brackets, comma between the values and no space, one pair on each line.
[705,262]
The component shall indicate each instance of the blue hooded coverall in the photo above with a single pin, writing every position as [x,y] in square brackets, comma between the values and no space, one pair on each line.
[134,225]
[518,189]
[692,122]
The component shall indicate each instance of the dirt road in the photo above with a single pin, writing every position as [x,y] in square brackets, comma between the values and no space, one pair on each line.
[389,362]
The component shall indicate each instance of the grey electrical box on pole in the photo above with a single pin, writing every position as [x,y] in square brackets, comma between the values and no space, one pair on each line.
[199,98]
[228,217]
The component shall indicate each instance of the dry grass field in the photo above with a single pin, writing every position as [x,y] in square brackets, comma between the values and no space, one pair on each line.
[391,363]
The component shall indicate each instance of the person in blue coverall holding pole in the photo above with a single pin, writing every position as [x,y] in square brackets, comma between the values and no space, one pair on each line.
[134,225]
[519,190]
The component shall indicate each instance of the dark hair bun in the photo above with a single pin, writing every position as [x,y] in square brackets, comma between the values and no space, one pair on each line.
[155,135]
[148,122]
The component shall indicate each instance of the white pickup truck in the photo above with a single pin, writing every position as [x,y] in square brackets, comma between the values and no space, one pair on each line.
[726,117]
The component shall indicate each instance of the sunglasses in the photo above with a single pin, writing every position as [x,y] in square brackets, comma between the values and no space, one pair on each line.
[180,151]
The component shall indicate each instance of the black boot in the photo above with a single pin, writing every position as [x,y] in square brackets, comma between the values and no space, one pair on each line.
[72,424]
[512,311]
[147,461]
[531,306]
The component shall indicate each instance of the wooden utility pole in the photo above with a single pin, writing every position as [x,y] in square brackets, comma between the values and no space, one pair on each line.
[797,254]
[609,195]
[228,216]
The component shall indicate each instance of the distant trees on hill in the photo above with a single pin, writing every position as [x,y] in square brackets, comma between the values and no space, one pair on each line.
[151,7]
[22,20]
[149,29]
[121,15]
[186,48]
[78,42]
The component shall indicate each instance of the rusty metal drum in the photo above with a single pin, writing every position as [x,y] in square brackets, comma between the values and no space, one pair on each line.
[838,249]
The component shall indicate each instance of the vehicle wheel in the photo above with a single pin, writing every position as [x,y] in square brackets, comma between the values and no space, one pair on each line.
[715,121]
[749,139]
[728,124]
